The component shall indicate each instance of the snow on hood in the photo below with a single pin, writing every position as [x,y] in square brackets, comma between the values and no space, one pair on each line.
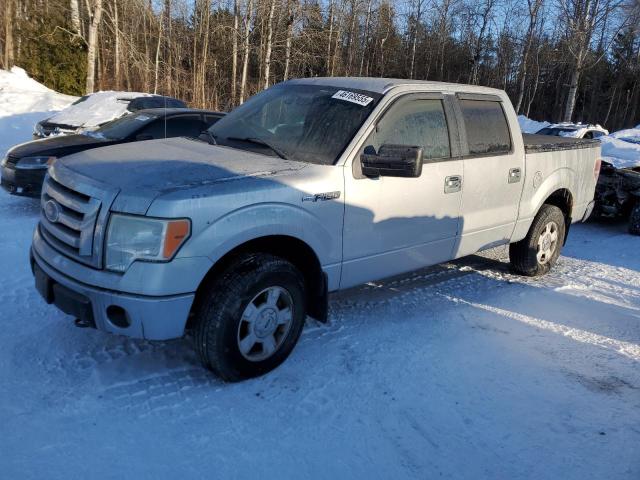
[24,102]
[622,148]
[97,109]
[530,126]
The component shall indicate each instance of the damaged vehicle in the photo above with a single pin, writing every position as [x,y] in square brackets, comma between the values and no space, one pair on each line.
[618,194]
[91,111]
[311,186]
[574,130]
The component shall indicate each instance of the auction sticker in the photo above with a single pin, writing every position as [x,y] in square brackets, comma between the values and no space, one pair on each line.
[353,97]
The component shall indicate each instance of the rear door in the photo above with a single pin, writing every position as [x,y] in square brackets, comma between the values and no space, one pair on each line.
[493,173]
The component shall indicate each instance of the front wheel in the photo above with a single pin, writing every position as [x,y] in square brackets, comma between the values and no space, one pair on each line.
[251,318]
[540,249]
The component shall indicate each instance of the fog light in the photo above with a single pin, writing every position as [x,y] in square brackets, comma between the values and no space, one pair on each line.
[118,316]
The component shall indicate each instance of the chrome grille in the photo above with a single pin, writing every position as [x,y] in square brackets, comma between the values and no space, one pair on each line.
[68,220]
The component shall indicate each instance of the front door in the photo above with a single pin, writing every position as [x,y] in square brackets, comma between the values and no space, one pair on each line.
[393,225]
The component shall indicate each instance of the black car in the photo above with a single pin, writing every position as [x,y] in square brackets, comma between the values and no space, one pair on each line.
[100,112]
[25,166]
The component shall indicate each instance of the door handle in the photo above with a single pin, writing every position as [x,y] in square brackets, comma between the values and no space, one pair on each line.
[452,184]
[514,175]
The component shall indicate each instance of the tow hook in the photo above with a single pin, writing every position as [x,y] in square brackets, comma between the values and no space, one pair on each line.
[83,323]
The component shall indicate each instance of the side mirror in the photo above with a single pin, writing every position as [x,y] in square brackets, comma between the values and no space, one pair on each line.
[392,161]
[144,136]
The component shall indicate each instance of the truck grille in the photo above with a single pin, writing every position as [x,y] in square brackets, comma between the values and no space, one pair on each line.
[68,221]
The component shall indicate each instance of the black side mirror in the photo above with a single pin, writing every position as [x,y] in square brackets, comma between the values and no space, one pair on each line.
[392,161]
[144,136]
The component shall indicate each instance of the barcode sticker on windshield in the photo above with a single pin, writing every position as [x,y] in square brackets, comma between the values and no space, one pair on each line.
[353,97]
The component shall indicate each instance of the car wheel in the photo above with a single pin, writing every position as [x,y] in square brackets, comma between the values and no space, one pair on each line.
[540,249]
[250,319]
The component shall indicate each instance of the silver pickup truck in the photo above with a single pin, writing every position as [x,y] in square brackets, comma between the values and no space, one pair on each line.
[312,186]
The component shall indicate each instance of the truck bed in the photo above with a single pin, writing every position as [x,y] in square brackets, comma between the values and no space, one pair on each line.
[548,143]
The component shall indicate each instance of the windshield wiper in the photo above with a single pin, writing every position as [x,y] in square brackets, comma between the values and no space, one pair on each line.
[211,138]
[259,141]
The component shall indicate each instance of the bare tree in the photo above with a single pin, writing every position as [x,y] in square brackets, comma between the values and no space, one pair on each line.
[267,55]
[533,8]
[248,18]
[94,9]
[581,19]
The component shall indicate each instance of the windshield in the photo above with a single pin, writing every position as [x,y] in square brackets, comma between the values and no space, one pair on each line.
[555,131]
[309,123]
[122,127]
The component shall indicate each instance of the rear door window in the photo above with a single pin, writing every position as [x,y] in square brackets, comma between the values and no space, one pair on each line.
[486,127]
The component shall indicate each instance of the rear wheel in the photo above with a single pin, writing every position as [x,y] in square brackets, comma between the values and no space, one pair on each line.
[634,219]
[540,249]
[251,318]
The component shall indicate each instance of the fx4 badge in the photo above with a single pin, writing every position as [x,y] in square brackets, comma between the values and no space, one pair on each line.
[321,197]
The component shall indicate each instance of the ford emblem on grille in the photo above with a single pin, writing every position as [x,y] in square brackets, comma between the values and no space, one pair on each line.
[52,211]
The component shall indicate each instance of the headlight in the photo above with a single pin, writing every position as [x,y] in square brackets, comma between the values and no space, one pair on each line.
[131,238]
[35,163]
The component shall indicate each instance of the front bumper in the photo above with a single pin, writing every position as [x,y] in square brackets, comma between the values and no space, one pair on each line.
[138,316]
[22,182]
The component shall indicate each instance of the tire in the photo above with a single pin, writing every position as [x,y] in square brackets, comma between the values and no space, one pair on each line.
[634,219]
[540,249]
[238,311]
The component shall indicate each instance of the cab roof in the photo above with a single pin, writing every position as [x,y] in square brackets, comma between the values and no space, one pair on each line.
[383,85]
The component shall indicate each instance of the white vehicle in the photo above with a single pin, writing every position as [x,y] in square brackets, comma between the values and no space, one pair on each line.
[91,111]
[312,186]
[574,130]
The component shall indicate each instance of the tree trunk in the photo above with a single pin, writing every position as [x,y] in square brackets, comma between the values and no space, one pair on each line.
[157,60]
[234,60]
[8,35]
[245,62]
[75,17]
[573,91]
[267,55]
[365,41]
[94,23]
[116,34]
[287,50]
[328,62]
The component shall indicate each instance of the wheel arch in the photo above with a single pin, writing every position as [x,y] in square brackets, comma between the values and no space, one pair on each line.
[563,199]
[290,248]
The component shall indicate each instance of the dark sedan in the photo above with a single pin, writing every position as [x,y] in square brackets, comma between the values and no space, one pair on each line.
[25,166]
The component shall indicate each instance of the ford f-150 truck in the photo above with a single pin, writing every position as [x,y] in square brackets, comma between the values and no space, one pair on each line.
[312,186]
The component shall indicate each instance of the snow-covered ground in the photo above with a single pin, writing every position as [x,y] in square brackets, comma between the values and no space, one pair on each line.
[23,102]
[460,371]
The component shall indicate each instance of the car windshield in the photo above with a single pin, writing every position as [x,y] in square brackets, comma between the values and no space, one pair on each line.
[122,127]
[555,131]
[309,123]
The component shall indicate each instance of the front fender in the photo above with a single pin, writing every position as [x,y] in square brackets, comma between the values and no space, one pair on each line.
[321,230]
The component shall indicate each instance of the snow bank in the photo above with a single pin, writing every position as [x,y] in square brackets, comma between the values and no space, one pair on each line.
[622,148]
[23,102]
[530,126]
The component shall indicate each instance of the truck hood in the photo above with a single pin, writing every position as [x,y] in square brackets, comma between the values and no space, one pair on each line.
[142,171]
